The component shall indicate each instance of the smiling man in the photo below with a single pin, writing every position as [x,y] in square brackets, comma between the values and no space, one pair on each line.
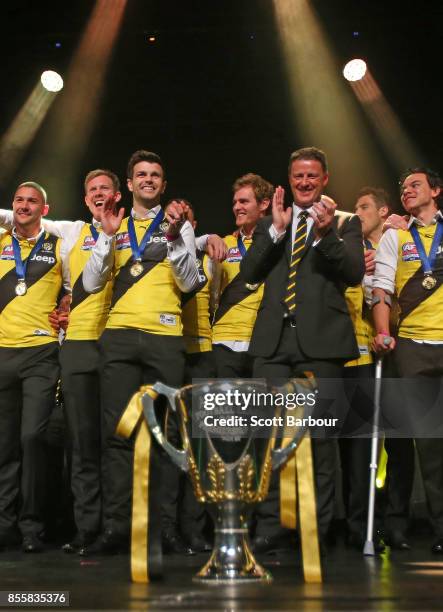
[238,301]
[306,255]
[79,356]
[150,257]
[30,282]
[409,263]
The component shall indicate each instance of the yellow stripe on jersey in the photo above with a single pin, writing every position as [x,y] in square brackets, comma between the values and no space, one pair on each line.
[238,321]
[425,320]
[195,313]
[151,301]
[89,311]
[363,331]
[24,319]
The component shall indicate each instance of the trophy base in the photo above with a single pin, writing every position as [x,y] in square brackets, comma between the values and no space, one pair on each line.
[232,561]
[215,575]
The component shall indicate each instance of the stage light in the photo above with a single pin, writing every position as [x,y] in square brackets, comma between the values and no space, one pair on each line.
[324,112]
[60,150]
[51,81]
[354,70]
[151,39]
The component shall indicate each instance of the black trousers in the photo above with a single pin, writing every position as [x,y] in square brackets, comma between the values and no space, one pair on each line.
[192,513]
[288,361]
[232,364]
[355,453]
[132,358]
[80,363]
[401,455]
[28,380]
[425,362]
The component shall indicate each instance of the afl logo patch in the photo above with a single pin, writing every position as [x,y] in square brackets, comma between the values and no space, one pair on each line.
[409,252]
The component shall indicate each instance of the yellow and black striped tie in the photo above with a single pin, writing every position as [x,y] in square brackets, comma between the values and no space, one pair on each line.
[297,249]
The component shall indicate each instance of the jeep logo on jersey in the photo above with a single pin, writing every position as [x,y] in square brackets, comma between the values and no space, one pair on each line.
[44,258]
[234,255]
[88,243]
[157,239]
[409,252]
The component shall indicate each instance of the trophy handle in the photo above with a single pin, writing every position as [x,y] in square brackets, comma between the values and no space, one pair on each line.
[281,455]
[179,457]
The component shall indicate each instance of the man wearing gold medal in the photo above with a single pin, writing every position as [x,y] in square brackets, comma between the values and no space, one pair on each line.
[79,356]
[151,257]
[409,263]
[238,301]
[31,278]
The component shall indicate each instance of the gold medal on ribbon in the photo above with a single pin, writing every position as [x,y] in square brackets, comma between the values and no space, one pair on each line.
[21,288]
[136,269]
[429,282]
[252,286]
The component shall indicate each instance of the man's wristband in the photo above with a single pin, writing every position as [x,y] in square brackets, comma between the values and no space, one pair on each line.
[171,238]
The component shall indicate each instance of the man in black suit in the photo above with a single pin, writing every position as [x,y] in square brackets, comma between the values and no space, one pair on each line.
[303,323]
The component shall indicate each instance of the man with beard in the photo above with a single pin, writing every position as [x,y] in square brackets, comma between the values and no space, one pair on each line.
[31,280]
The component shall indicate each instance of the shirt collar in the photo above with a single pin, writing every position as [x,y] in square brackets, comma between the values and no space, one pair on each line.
[33,239]
[437,217]
[244,237]
[297,210]
[150,214]
[96,223]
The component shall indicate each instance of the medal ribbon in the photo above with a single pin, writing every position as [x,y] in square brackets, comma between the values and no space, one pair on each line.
[241,246]
[368,244]
[20,265]
[137,249]
[94,232]
[427,262]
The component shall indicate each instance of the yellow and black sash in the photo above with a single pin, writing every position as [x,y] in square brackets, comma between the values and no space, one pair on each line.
[233,294]
[153,253]
[43,261]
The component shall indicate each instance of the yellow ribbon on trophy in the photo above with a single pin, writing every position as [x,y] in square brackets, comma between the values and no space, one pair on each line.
[297,477]
[133,420]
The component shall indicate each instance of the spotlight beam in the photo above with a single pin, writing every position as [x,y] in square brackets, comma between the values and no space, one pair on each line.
[386,123]
[17,138]
[66,136]
[325,113]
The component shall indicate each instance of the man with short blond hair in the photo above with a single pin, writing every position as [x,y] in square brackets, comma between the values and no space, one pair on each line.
[238,301]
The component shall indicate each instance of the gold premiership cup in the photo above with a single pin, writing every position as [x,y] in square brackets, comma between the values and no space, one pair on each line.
[229,466]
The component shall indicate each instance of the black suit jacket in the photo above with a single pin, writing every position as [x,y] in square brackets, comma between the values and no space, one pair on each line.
[324,328]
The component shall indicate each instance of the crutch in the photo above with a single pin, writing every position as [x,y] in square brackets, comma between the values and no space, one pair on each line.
[368,549]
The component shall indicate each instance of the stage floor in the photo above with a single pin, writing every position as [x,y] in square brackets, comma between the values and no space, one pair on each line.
[392,581]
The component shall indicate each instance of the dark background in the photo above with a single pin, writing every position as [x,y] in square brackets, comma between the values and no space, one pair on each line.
[211,95]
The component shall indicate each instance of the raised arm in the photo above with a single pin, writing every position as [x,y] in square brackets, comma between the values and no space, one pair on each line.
[268,235]
[99,266]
